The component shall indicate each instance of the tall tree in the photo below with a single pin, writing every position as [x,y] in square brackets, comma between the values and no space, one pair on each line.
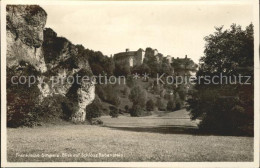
[225,107]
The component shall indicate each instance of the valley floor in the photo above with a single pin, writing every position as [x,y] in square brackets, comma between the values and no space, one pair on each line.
[169,137]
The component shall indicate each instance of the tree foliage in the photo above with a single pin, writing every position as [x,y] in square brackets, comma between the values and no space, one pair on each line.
[114,112]
[22,100]
[225,108]
[171,105]
[138,96]
[93,110]
[150,105]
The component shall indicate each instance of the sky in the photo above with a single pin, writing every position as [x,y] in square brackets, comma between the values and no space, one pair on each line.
[173,29]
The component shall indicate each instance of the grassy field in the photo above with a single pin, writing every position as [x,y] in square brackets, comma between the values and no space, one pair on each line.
[165,137]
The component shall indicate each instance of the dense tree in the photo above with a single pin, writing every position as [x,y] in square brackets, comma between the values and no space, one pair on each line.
[184,66]
[150,105]
[108,93]
[22,100]
[226,107]
[97,69]
[160,104]
[138,96]
[126,108]
[153,64]
[171,105]
[113,111]
[141,69]
[109,66]
[93,110]
[125,91]
[136,111]
[122,70]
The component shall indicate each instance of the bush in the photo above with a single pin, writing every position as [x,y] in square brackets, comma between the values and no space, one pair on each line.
[150,105]
[108,94]
[171,105]
[122,70]
[138,96]
[178,106]
[100,91]
[97,69]
[113,112]
[141,69]
[136,111]
[120,111]
[161,106]
[22,101]
[126,108]
[97,122]
[178,101]
[93,110]
[115,100]
[125,91]
[130,82]
[68,108]
[54,107]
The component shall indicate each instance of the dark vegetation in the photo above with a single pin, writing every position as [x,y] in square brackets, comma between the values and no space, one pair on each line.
[226,108]
[221,108]
[22,105]
[138,97]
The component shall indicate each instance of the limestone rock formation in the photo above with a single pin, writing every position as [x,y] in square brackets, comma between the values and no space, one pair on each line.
[24,36]
[55,58]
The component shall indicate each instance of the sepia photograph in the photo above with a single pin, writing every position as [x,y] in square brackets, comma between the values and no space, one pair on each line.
[134,83]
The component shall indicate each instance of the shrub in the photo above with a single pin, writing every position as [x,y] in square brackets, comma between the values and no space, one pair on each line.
[22,101]
[130,82]
[93,110]
[126,108]
[141,69]
[54,107]
[120,111]
[97,122]
[170,105]
[100,91]
[178,106]
[138,96]
[68,108]
[122,70]
[113,112]
[97,69]
[108,94]
[125,91]
[115,101]
[150,105]
[136,111]
[161,106]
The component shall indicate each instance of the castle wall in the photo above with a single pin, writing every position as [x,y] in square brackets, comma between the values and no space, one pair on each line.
[140,57]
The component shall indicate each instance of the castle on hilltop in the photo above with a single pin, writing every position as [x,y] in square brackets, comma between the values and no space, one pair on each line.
[135,58]
[131,58]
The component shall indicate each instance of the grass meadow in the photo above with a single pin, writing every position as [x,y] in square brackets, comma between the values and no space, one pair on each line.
[168,137]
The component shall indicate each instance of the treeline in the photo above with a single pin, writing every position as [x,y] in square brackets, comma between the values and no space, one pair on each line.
[26,107]
[142,98]
[104,65]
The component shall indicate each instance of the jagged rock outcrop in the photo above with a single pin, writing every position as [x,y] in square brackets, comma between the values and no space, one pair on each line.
[62,60]
[56,58]
[24,27]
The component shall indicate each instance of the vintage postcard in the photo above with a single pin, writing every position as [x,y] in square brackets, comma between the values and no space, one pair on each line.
[130,83]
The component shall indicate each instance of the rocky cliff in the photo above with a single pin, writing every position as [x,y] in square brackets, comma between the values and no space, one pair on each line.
[51,56]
